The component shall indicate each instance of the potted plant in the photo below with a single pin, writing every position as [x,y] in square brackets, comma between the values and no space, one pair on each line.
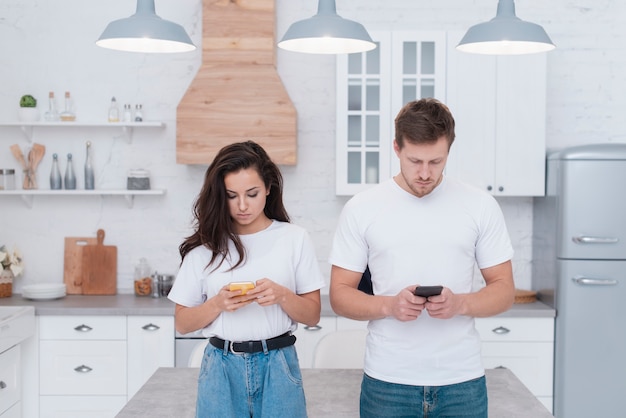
[28,111]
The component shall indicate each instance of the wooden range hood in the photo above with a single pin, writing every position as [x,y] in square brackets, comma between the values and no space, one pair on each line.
[237,94]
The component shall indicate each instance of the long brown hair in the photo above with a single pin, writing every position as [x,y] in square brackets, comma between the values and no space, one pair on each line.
[212,222]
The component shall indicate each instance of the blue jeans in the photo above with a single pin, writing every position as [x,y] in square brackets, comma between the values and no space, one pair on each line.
[260,385]
[383,399]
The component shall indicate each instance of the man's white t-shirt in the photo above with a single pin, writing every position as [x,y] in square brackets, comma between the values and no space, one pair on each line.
[433,240]
[283,252]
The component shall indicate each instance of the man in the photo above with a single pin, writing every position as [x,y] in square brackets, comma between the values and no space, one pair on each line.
[422,228]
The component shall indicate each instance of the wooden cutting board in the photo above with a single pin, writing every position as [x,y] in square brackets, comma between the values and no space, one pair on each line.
[73,262]
[99,266]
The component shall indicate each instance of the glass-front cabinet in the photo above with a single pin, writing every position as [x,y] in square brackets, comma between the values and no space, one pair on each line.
[371,88]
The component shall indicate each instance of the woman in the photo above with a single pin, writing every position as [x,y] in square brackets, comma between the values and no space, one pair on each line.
[242,234]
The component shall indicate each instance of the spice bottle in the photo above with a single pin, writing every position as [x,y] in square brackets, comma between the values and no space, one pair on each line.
[138,113]
[68,114]
[143,281]
[114,111]
[55,174]
[51,115]
[70,177]
[89,176]
[128,117]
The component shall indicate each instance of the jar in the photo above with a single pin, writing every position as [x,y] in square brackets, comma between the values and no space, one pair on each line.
[143,281]
[138,179]
[7,179]
[165,284]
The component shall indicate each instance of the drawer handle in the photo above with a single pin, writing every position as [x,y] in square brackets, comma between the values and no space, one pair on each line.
[2,384]
[83,369]
[150,327]
[312,328]
[83,328]
[501,330]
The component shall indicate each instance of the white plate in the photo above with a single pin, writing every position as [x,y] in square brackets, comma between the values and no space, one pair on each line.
[44,291]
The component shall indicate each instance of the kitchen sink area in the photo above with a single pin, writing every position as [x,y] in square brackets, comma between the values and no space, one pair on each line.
[17,323]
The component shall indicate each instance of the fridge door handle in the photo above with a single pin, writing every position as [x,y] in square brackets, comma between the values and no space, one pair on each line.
[583,239]
[586,281]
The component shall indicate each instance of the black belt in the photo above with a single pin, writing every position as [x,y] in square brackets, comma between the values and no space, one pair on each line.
[256,346]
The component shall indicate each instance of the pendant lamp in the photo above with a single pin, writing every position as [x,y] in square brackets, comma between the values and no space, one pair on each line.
[326,33]
[145,32]
[506,34]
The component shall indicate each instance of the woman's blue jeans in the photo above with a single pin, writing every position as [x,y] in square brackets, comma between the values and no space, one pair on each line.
[462,400]
[260,385]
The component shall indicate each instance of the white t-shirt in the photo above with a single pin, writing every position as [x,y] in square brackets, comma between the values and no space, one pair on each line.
[283,252]
[433,240]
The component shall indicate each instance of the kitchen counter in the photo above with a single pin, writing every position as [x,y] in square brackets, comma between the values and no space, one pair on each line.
[129,304]
[171,392]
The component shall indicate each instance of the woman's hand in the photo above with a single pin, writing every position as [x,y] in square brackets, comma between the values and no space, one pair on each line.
[229,301]
[268,292]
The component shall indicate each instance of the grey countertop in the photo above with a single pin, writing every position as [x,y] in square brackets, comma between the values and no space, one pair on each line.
[171,392]
[125,304]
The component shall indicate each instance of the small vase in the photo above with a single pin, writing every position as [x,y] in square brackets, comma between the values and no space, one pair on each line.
[6,283]
[28,114]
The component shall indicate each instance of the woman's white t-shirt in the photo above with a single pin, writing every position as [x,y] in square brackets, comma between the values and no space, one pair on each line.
[433,240]
[283,252]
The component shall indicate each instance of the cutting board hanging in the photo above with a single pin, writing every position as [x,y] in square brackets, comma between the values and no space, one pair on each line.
[99,265]
[73,262]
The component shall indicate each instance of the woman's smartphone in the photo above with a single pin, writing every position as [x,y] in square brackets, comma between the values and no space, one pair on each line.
[243,286]
[427,291]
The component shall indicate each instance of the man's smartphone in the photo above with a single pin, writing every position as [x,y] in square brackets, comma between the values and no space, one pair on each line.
[243,286]
[427,291]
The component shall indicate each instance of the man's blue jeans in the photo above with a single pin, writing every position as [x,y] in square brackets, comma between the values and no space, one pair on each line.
[462,400]
[260,385]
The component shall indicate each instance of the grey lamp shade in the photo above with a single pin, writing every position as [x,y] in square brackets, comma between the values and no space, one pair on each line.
[327,33]
[145,32]
[506,34]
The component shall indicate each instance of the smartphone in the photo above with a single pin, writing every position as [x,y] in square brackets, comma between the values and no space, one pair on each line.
[426,291]
[243,286]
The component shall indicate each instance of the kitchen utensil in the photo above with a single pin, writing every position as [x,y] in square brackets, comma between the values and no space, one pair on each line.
[19,156]
[73,262]
[34,158]
[99,268]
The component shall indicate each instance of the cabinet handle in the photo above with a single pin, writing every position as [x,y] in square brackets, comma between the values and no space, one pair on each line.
[83,369]
[586,281]
[312,328]
[2,384]
[83,328]
[582,239]
[500,189]
[501,330]
[150,327]
[489,188]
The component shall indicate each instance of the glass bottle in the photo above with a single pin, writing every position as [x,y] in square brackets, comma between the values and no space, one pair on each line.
[143,281]
[138,113]
[128,117]
[70,177]
[55,174]
[114,111]
[68,114]
[89,177]
[51,115]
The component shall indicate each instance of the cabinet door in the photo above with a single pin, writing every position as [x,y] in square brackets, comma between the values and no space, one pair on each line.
[307,338]
[10,382]
[371,88]
[499,105]
[150,346]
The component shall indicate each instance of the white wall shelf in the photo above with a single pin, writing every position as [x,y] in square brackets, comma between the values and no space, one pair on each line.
[126,127]
[29,195]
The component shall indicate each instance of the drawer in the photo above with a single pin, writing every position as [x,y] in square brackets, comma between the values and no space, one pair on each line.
[81,406]
[10,384]
[515,329]
[82,327]
[82,368]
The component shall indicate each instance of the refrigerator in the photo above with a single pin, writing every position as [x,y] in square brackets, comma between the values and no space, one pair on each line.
[579,268]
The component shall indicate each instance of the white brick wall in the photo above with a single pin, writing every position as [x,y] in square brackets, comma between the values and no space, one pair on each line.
[49,45]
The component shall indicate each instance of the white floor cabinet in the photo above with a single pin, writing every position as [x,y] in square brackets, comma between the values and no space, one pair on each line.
[91,365]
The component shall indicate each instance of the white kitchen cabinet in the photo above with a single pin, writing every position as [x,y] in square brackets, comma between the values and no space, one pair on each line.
[10,383]
[82,357]
[499,105]
[151,341]
[523,345]
[371,88]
